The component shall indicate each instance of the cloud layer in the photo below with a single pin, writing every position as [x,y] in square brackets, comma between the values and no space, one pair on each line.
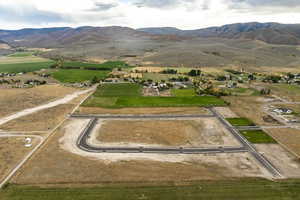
[185,14]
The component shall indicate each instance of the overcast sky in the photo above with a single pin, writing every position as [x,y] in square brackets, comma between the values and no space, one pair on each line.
[184,14]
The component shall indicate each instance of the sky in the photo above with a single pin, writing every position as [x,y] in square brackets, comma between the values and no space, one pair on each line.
[183,14]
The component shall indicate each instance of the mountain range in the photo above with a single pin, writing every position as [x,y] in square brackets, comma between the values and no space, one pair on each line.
[255,44]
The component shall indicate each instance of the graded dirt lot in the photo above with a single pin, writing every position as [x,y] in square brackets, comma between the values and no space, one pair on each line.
[287,163]
[191,133]
[226,112]
[290,138]
[44,120]
[12,150]
[251,108]
[57,163]
[179,110]
[14,100]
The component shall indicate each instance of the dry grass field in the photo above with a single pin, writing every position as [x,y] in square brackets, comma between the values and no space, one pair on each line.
[165,110]
[54,165]
[14,100]
[44,120]
[251,108]
[12,150]
[191,133]
[290,138]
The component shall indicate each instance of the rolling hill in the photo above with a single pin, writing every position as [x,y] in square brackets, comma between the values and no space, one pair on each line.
[247,44]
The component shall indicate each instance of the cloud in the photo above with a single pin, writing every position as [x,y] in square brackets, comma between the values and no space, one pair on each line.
[163,3]
[28,13]
[266,6]
[98,6]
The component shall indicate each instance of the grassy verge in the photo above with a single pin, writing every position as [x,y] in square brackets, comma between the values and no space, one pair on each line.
[121,102]
[77,75]
[219,190]
[240,122]
[24,67]
[258,137]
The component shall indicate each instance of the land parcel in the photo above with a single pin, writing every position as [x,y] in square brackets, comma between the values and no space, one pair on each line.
[129,95]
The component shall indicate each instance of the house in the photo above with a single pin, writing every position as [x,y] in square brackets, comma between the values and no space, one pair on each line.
[282,111]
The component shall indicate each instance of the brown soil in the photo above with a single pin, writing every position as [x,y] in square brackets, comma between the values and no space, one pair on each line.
[170,133]
[93,110]
[14,100]
[251,108]
[290,138]
[287,163]
[12,150]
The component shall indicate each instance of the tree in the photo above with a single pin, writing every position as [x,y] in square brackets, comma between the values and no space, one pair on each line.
[95,80]
[194,72]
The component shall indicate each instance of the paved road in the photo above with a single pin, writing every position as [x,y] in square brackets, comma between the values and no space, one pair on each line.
[142,116]
[83,144]
[259,157]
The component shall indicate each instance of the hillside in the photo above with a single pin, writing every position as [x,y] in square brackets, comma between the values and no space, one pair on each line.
[250,44]
[273,33]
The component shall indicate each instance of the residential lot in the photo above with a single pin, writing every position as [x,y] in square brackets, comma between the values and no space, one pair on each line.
[12,151]
[187,133]
[54,164]
[290,138]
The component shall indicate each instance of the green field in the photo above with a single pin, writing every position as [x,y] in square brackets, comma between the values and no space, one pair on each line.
[125,101]
[22,54]
[208,190]
[159,77]
[24,67]
[107,65]
[114,90]
[240,122]
[258,137]
[77,75]
[129,95]
[183,92]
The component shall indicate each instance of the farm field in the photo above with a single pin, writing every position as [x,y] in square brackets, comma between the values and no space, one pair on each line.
[187,133]
[104,66]
[240,122]
[14,100]
[222,190]
[122,102]
[128,95]
[258,137]
[12,150]
[78,75]
[290,138]
[183,92]
[25,66]
[114,90]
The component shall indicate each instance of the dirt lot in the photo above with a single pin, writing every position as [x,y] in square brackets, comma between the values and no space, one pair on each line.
[56,164]
[251,108]
[14,100]
[226,112]
[179,110]
[12,150]
[44,120]
[191,133]
[290,138]
[287,163]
